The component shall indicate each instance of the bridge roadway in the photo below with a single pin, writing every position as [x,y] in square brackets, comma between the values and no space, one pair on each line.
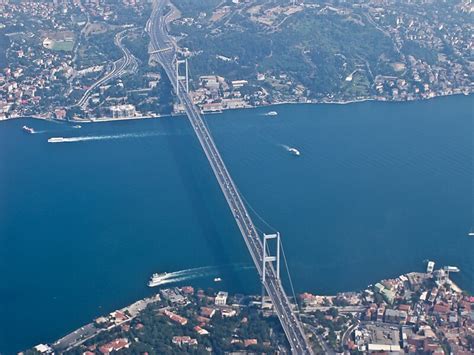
[282,306]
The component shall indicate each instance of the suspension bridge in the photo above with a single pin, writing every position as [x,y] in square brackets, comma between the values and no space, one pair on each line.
[163,50]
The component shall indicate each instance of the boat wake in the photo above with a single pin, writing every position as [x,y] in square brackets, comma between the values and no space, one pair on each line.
[291,150]
[200,272]
[101,138]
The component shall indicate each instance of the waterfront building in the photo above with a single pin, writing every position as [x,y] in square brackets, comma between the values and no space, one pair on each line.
[221,298]
[122,111]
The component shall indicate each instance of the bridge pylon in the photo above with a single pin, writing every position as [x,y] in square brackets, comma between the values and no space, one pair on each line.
[269,259]
[184,77]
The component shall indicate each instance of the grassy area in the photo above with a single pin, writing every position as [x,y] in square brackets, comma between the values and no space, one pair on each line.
[65,46]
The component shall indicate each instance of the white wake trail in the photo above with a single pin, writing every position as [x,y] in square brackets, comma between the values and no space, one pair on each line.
[200,272]
[105,137]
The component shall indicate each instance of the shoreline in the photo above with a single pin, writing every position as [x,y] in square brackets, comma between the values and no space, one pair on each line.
[88,331]
[275,104]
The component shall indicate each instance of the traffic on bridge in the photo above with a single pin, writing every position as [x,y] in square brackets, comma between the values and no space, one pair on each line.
[282,306]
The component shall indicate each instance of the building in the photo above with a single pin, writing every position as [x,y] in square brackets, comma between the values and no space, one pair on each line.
[201,331]
[184,340]
[122,111]
[221,298]
[43,349]
[175,318]
[395,317]
[207,312]
[239,83]
[114,345]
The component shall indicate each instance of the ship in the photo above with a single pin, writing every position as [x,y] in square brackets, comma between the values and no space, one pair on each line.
[28,129]
[471,234]
[77,126]
[294,151]
[157,278]
[56,140]
[217,279]
[271,113]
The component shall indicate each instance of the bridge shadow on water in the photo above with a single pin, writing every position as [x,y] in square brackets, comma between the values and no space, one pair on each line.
[207,201]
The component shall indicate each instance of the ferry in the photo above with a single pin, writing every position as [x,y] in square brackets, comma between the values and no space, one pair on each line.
[217,279]
[294,151]
[157,279]
[28,129]
[272,113]
[56,140]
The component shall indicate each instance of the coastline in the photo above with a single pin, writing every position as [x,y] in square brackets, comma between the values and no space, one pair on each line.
[274,104]
[127,313]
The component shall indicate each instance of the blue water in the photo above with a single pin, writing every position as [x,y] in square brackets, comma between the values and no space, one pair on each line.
[379,188]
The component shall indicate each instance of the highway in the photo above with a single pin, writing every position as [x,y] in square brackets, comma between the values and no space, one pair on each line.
[159,40]
[128,63]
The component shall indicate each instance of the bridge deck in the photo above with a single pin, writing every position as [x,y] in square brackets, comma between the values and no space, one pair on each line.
[272,284]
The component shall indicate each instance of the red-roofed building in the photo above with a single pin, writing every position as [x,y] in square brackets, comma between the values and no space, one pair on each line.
[114,345]
[404,307]
[248,342]
[175,318]
[441,308]
[189,290]
[207,312]
[200,330]
[202,320]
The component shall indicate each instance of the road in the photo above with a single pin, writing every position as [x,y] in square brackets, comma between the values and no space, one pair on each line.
[324,346]
[128,63]
[89,331]
[159,40]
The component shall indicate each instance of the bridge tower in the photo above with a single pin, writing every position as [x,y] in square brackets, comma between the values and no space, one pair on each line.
[269,259]
[181,77]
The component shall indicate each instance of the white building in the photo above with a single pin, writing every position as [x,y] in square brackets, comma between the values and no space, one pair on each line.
[221,298]
[122,111]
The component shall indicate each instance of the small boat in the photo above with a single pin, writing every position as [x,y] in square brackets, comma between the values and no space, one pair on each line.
[28,129]
[217,279]
[56,140]
[271,113]
[471,234]
[77,126]
[294,151]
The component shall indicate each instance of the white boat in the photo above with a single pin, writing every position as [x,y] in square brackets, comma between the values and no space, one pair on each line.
[471,234]
[294,151]
[217,279]
[156,279]
[56,140]
[271,113]
[28,129]
[77,126]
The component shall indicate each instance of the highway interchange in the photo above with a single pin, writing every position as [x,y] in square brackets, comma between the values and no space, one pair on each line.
[160,41]
[128,63]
